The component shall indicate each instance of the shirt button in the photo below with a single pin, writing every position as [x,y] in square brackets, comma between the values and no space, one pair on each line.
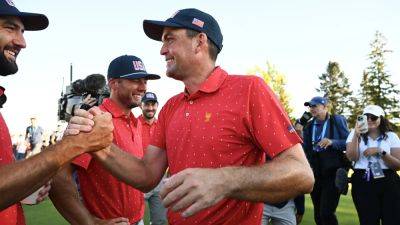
[191,102]
[187,114]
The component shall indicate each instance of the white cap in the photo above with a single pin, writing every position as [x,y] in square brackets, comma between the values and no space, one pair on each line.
[374,110]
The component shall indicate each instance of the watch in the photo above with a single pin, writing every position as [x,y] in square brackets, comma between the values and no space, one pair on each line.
[381,153]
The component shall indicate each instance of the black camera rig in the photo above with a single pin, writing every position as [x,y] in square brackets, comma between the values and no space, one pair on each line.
[94,84]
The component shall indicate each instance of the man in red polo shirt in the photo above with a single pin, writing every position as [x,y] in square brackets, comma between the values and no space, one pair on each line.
[20,179]
[148,118]
[104,196]
[214,136]
[149,108]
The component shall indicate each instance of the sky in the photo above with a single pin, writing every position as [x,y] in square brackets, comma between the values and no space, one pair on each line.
[298,37]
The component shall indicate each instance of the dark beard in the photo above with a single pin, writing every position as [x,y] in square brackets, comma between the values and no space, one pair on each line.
[7,67]
[147,117]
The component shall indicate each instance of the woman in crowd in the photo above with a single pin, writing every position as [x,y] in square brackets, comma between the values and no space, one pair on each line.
[376,185]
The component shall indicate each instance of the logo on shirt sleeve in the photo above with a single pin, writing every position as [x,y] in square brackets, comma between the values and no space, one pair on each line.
[207,117]
[291,129]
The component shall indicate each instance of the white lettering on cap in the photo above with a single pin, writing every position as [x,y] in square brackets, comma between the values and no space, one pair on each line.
[150,95]
[138,65]
[10,2]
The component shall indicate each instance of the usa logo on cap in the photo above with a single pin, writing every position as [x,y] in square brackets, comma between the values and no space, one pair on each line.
[150,95]
[138,65]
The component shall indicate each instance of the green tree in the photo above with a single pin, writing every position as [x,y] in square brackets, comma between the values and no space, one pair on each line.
[376,87]
[335,86]
[277,81]
[358,102]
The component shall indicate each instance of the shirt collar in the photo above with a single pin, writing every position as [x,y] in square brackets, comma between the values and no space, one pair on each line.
[213,82]
[114,109]
[143,121]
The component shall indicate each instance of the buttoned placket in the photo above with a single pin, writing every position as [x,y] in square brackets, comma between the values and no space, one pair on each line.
[188,107]
[129,125]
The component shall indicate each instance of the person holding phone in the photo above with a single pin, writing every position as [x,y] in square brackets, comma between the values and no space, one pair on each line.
[376,153]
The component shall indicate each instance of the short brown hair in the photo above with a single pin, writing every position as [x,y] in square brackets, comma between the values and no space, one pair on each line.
[212,48]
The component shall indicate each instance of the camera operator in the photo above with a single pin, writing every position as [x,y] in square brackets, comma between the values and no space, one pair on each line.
[324,140]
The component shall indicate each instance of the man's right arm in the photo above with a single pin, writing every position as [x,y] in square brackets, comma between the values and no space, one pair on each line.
[144,174]
[65,197]
[22,178]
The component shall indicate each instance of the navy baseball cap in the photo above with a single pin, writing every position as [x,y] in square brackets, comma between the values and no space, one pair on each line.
[31,21]
[316,100]
[129,67]
[149,97]
[192,19]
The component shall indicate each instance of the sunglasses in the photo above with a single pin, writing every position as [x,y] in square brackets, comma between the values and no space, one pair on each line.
[372,117]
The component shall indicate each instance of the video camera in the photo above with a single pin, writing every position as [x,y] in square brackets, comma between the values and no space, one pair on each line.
[94,84]
[304,118]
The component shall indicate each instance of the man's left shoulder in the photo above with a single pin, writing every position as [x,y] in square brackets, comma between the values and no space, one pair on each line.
[245,78]
[244,81]
[338,117]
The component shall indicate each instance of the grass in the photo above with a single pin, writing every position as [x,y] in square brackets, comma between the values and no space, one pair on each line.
[346,213]
[46,214]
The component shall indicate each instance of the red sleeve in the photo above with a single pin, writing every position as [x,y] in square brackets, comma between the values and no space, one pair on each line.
[83,160]
[268,122]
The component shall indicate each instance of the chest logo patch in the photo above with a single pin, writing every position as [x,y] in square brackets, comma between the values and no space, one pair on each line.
[207,117]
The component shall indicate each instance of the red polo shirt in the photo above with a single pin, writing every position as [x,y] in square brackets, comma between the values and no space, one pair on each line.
[147,131]
[231,121]
[13,215]
[104,195]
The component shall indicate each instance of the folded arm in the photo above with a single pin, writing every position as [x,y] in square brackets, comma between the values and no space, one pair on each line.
[286,176]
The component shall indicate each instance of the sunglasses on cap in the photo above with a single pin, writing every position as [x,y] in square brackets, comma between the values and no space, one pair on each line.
[372,117]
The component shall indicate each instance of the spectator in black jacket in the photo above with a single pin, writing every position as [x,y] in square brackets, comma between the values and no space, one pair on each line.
[324,142]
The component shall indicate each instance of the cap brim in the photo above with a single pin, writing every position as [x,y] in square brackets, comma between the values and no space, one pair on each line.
[154,29]
[148,76]
[306,103]
[33,21]
[372,113]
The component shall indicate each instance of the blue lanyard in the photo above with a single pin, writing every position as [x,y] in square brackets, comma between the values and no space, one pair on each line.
[314,140]
[368,170]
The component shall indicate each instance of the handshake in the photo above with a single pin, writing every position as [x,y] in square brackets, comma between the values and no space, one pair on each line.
[90,130]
